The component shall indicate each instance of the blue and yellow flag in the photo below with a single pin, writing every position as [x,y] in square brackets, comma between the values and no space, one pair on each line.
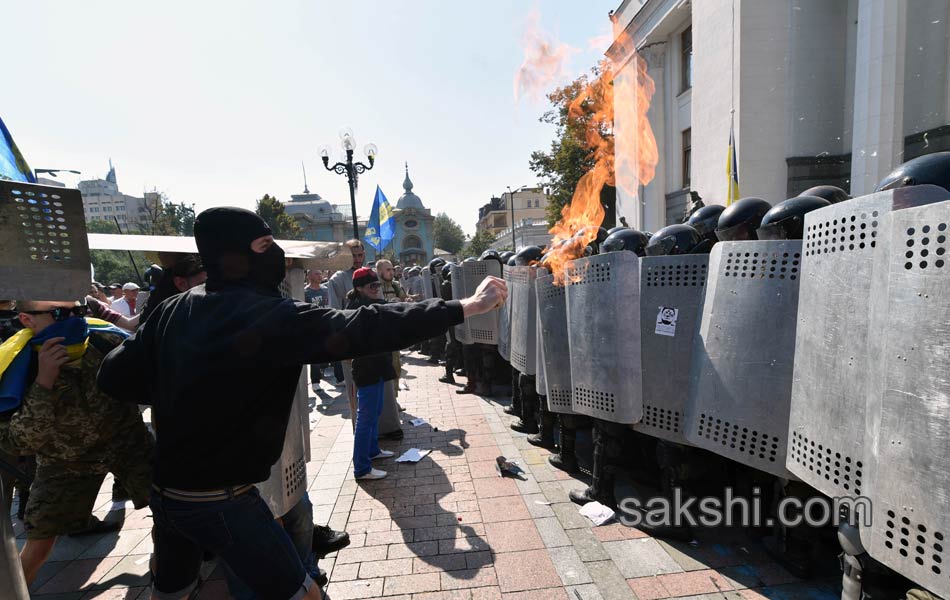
[381,227]
[732,169]
[12,164]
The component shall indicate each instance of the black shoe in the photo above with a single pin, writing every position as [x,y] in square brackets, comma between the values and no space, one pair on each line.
[326,541]
[447,379]
[510,410]
[392,435]
[557,461]
[432,360]
[322,579]
[468,389]
[540,441]
[119,493]
[522,427]
[586,495]
[460,372]
[97,526]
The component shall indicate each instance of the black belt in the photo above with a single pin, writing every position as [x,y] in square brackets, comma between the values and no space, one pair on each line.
[203,496]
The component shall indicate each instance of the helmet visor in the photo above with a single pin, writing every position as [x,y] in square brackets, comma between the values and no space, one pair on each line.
[736,233]
[662,246]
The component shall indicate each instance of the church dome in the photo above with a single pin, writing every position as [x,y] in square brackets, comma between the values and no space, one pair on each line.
[408,199]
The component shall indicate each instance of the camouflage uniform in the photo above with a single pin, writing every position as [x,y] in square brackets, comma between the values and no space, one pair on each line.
[393,292]
[78,435]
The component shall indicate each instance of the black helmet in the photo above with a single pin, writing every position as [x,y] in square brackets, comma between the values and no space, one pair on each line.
[506,256]
[931,169]
[447,271]
[491,254]
[512,261]
[705,220]
[830,193]
[436,264]
[626,239]
[527,255]
[614,230]
[739,221]
[786,220]
[153,275]
[470,259]
[677,239]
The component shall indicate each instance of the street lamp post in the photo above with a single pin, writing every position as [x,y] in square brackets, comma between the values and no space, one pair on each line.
[511,206]
[351,169]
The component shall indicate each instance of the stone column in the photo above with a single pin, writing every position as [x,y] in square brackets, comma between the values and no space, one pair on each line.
[878,138]
[654,194]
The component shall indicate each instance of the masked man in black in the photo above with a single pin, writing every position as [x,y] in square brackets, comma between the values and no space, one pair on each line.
[230,353]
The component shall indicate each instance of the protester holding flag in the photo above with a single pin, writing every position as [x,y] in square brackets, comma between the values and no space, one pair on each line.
[381,227]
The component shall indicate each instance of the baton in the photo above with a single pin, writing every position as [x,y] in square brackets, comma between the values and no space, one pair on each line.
[131,260]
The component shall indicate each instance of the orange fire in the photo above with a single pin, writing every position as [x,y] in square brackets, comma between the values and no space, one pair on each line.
[545,60]
[610,99]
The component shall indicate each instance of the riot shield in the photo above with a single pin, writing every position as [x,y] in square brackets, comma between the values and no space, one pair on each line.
[11,570]
[44,252]
[552,323]
[907,454]
[540,377]
[462,333]
[288,476]
[524,321]
[504,323]
[741,379]
[430,285]
[483,329]
[829,385]
[603,321]
[672,290]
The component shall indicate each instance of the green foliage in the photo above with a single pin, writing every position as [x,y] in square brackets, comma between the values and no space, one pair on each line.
[569,158]
[163,217]
[113,266]
[482,241]
[284,226]
[448,235]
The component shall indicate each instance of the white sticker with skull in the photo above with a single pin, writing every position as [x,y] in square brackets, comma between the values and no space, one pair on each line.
[666,321]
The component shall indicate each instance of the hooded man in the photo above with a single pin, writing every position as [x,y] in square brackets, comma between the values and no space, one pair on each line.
[230,353]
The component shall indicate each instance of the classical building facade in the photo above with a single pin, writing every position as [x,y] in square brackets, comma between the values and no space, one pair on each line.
[818,91]
[495,216]
[414,241]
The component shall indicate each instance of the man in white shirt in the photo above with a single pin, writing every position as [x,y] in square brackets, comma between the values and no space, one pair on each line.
[126,305]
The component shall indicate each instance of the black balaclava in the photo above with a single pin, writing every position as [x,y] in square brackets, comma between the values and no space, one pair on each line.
[223,236]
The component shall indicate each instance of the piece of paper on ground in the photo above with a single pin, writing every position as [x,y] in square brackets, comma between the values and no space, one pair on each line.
[597,513]
[413,455]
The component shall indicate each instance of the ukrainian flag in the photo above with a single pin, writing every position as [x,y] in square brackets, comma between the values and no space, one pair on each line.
[12,164]
[381,228]
[732,169]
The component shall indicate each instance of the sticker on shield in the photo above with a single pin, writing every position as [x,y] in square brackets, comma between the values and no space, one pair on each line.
[666,321]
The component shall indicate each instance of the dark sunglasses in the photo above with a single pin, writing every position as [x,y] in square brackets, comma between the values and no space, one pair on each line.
[374,286]
[61,313]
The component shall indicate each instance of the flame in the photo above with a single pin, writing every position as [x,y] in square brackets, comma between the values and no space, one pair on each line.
[545,60]
[606,100]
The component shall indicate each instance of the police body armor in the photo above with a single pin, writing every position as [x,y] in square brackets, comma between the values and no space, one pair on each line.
[672,291]
[288,476]
[462,331]
[504,323]
[483,329]
[741,380]
[603,316]
[552,316]
[524,320]
[907,453]
[44,251]
[830,382]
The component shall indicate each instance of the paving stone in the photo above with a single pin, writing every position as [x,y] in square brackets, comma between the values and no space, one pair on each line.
[356,589]
[538,505]
[587,546]
[641,558]
[584,592]
[495,488]
[567,513]
[569,566]
[439,563]
[469,578]
[367,553]
[78,575]
[385,568]
[346,572]
[120,593]
[116,544]
[694,582]
[520,571]
[513,536]
[609,581]
[410,584]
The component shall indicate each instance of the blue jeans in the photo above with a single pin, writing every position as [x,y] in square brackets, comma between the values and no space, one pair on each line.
[241,531]
[298,523]
[369,406]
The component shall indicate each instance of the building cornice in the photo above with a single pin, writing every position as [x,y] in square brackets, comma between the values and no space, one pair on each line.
[646,28]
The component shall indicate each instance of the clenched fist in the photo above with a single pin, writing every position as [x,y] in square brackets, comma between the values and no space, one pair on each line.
[491,294]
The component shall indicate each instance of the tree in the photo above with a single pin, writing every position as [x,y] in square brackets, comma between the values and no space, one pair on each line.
[447,234]
[482,241]
[569,156]
[284,226]
[162,217]
[113,266]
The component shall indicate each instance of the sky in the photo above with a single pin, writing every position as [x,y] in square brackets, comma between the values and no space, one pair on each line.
[218,103]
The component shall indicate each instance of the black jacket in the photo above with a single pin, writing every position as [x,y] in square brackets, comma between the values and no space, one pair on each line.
[224,367]
[371,369]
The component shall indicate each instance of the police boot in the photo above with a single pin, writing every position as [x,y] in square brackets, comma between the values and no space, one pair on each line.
[514,408]
[566,460]
[601,489]
[449,377]
[528,422]
[545,436]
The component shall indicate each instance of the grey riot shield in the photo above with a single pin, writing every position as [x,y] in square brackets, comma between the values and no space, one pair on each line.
[462,333]
[540,377]
[504,323]
[430,285]
[741,380]
[907,455]
[288,476]
[524,320]
[603,321]
[672,290]
[829,386]
[552,323]
[483,329]
[44,252]
[11,570]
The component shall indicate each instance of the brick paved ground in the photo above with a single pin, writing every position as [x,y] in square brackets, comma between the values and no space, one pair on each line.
[448,528]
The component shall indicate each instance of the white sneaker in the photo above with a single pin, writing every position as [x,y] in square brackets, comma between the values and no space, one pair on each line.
[373,474]
[384,454]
